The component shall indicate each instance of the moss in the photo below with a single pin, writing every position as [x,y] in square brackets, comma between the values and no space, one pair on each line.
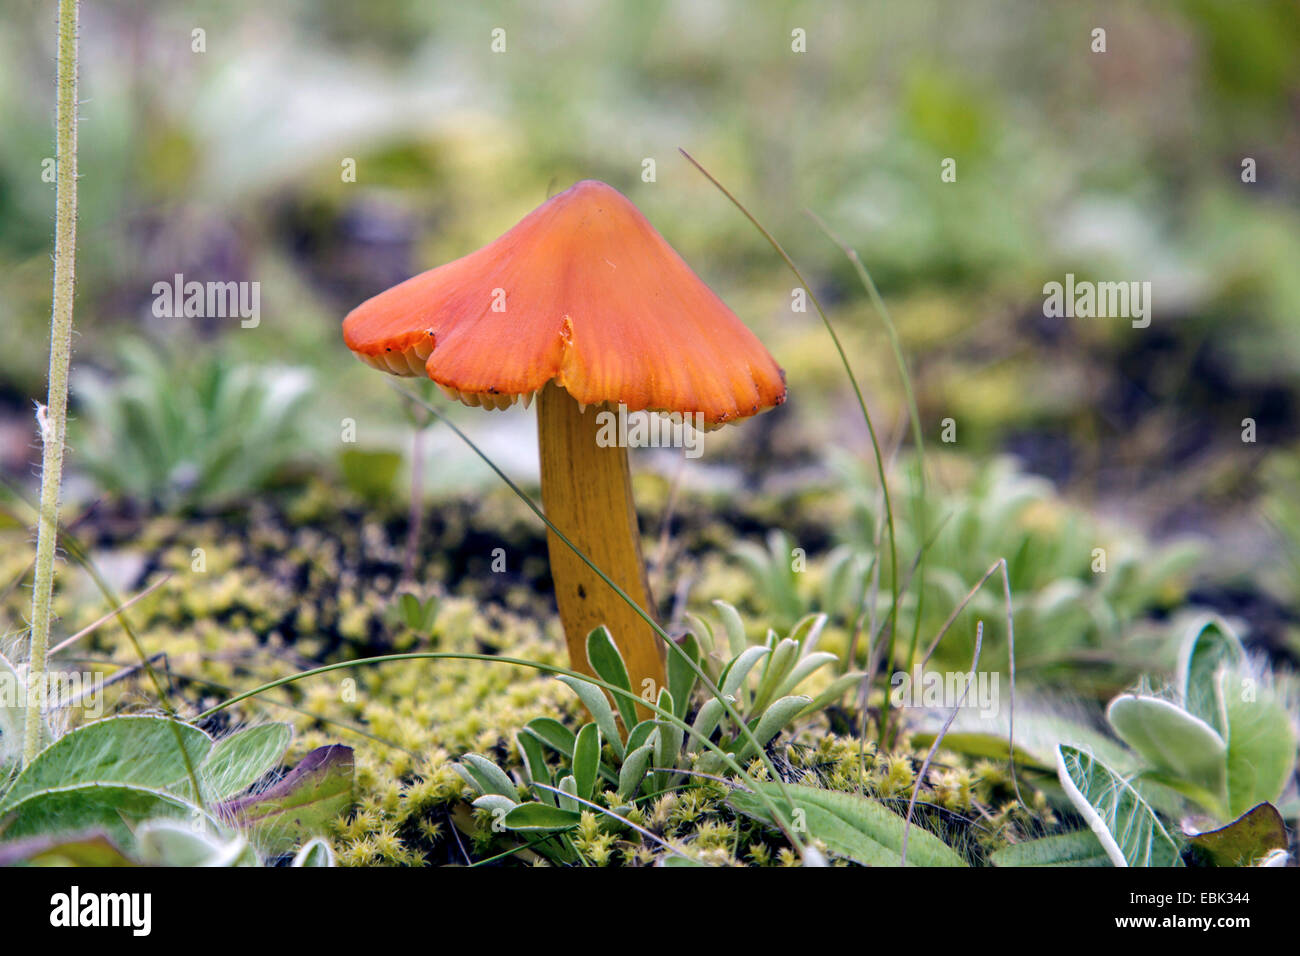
[281,598]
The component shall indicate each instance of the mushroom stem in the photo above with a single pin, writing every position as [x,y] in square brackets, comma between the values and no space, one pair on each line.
[587,493]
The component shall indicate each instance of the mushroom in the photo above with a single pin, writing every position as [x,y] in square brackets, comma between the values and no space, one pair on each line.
[584,306]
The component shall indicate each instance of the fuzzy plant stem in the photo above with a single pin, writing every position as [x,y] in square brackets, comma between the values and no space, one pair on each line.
[53,417]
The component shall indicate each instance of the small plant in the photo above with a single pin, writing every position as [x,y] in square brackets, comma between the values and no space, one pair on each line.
[612,769]
[154,790]
[1077,585]
[1216,752]
[181,432]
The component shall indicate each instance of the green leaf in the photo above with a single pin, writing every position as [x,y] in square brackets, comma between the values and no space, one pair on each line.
[554,734]
[315,852]
[773,721]
[1124,823]
[632,773]
[681,676]
[808,632]
[668,745]
[734,626]
[1171,739]
[640,734]
[113,808]
[485,776]
[134,751]
[1209,645]
[776,669]
[607,662]
[597,704]
[706,722]
[173,843]
[703,633]
[1080,848]
[739,669]
[299,806]
[853,827]
[586,760]
[241,759]
[535,764]
[495,804]
[568,788]
[1245,841]
[808,665]
[416,614]
[540,816]
[1261,743]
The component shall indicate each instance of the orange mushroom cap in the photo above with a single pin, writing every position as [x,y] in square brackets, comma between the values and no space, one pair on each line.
[583,292]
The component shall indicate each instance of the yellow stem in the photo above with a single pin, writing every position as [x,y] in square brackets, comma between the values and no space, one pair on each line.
[587,494]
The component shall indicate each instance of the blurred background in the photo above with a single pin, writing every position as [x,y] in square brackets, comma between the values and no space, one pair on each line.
[230,162]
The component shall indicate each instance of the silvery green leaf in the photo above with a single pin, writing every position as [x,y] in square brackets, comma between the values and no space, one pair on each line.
[641,733]
[1261,742]
[1171,739]
[115,809]
[703,632]
[535,764]
[807,666]
[239,760]
[856,828]
[1208,646]
[315,852]
[495,804]
[552,733]
[669,744]
[776,669]
[568,790]
[774,720]
[739,669]
[1080,848]
[1123,822]
[135,751]
[173,843]
[633,771]
[808,632]
[607,662]
[681,676]
[706,722]
[586,760]
[485,776]
[539,817]
[597,704]
[735,627]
